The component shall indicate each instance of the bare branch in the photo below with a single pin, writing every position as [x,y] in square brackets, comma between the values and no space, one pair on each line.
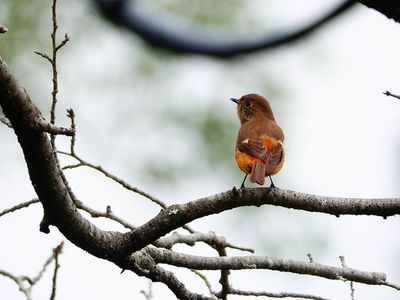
[149,293]
[392,285]
[63,42]
[19,206]
[205,280]
[113,177]
[190,239]
[54,130]
[263,262]
[344,265]
[143,265]
[275,295]
[54,66]
[109,214]
[224,278]
[26,290]
[30,282]
[45,56]
[389,94]
[176,216]
[71,115]
[56,253]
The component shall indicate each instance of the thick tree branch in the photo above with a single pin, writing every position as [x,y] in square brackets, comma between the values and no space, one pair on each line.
[163,35]
[177,215]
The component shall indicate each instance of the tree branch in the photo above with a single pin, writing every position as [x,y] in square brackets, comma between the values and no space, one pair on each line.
[177,215]
[190,239]
[387,93]
[19,206]
[26,283]
[233,291]
[165,256]
[163,35]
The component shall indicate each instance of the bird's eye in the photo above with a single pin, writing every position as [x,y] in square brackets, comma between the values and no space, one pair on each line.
[247,104]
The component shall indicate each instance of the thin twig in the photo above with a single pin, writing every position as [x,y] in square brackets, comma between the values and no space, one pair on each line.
[109,214]
[26,283]
[275,295]
[205,280]
[111,176]
[71,116]
[387,93]
[44,55]
[19,206]
[344,265]
[26,290]
[56,253]
[54,65]
[149,293]
[392,285]
[224,277]
[352,290]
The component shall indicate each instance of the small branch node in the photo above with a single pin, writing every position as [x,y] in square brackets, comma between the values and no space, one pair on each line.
[3,29]
[389,94]
[53,129]
[63,42]
[343,261]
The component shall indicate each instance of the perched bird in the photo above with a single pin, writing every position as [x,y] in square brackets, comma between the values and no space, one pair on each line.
[259,145]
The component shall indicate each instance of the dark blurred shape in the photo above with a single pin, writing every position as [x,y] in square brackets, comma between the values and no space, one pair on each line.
[390,8]
[164,36]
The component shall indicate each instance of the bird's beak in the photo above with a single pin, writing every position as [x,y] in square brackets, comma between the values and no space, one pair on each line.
[235,100]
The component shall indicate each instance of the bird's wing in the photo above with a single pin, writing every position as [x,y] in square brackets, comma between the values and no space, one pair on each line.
[253,147]
[274,156]
[271,156]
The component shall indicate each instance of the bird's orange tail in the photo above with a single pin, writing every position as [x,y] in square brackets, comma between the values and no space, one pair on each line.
[258,172]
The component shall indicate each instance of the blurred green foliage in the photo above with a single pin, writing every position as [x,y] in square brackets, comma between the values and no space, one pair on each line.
[25,21]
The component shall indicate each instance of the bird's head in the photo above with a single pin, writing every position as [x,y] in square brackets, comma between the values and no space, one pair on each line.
[253,105]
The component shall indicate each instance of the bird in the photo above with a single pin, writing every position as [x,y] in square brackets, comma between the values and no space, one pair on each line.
[259,149]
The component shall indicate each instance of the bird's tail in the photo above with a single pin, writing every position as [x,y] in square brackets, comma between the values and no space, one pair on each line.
[258,172]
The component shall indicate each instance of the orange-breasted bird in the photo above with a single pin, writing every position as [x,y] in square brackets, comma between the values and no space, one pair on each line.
[259,146]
